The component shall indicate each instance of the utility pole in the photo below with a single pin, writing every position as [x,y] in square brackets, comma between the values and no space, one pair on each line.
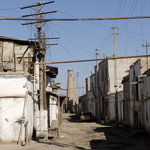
[115,34]
[97,50]
[147,45]
[40,54]
[40,48]
[115,76]
[97,107]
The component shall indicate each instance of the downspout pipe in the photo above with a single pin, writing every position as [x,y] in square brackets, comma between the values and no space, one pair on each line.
[22,121]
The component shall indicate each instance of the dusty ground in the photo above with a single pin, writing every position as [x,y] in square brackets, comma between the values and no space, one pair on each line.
[78,135]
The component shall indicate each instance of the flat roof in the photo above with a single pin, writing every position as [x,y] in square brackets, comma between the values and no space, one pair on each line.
[20,41]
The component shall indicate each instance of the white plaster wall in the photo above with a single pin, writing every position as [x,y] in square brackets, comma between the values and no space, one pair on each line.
[138,68]
[53,113]
[111,107]
[122,67]
[41,123]
[15,103]
[12,86]
[11,109]
[31,104]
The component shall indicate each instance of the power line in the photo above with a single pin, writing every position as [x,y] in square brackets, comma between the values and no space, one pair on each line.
[107,58]
[75,19]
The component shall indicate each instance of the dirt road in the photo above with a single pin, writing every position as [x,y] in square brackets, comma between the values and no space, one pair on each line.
[78,135]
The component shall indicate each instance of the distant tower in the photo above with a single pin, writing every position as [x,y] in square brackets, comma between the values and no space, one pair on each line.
[70,90]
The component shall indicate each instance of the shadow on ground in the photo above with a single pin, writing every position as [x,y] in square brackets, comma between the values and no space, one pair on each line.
[60,145]
[121,139]
[73,118]
[109,138]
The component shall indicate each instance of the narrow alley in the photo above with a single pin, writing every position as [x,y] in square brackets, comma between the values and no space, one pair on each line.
[78,135]
[90,135]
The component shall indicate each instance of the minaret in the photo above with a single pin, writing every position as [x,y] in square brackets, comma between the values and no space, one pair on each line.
[70,90]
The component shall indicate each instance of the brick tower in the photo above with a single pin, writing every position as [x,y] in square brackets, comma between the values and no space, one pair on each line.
[70,90]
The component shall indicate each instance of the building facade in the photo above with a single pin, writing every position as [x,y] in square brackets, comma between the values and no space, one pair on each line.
[109,77]
[20,103]
[111,97]
[136,97]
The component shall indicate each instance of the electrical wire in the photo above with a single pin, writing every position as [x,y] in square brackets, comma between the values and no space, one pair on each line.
[71,42]
[86,21]
[83,69]
[131,11]
[6,9]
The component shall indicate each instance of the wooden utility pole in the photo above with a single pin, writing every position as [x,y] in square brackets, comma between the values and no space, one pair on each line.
[40,48]
[115,76]
[41,55]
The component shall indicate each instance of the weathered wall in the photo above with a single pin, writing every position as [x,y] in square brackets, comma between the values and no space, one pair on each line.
[11,55]
[91,106]
[122,67]
[11,110]
[146,105]
[111,107]
[16,107]
[53,111]
[41,124]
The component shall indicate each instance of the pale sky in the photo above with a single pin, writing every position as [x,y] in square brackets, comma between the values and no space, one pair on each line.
[79,39]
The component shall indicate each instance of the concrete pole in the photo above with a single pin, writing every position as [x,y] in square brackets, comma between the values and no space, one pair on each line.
[97,107]
[115,76]
[146,52]
[59,117]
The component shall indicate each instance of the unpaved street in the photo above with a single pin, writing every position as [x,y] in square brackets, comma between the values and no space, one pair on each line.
[78,135]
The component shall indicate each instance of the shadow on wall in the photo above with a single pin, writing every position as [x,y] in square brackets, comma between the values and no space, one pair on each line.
[70,106]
